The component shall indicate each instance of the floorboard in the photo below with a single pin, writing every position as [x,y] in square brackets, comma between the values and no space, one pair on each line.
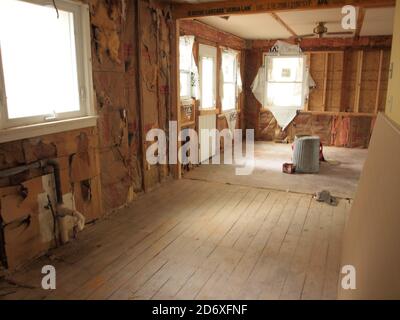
[200,240]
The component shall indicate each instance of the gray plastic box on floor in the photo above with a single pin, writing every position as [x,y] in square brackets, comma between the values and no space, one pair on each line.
[306,154]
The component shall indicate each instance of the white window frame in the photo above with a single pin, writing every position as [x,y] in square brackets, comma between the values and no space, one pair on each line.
[235,55]
[189,84]
[304,82]
[206,51]
[14,129]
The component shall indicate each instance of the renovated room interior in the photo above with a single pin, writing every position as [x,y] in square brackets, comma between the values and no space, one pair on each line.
[85,84]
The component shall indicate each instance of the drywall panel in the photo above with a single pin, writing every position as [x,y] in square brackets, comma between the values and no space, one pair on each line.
[372,239]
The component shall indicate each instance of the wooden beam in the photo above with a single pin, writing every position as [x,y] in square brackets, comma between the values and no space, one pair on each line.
[360,61]
[330,44]
[283,24]
[343,93]
[175,94]
[201,30]
[308,54]
[234,7]
[360,21]
[325,80]
[378,86]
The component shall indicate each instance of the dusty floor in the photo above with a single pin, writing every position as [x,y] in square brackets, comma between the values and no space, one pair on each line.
[199,240]
[339,175]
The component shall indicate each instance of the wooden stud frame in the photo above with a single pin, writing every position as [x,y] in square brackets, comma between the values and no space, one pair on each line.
[358,80]
[175,96]
[326,54]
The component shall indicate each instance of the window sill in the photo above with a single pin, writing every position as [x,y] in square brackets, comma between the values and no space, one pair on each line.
[36,130]
[208,111]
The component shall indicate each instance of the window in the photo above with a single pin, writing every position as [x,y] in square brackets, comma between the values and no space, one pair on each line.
[185,84]
[285,81]
[185,66]
[229,75]
[45,71]
[208,58]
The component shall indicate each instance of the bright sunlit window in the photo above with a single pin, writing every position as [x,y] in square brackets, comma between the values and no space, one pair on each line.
[207,68]
[44,62]
[185,62]
[229,70]
[208,58]
[285,81]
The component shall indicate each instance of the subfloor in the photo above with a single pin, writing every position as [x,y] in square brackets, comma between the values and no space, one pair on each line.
[339,175]
[199,240]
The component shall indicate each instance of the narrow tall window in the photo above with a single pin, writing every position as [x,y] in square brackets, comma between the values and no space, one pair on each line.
[229,75]
[44,62]
[208,58]
[185,63]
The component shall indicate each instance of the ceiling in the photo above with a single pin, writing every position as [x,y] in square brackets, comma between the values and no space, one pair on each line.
[377,21]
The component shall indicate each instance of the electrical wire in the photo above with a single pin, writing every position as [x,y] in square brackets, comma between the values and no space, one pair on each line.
[55,7]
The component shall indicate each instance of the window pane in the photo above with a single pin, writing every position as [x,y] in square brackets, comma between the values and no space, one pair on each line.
[39,59]
[229,98]
[185,84]
[284,94]
[285,69]
[207,82]
[228,67]
[185,54]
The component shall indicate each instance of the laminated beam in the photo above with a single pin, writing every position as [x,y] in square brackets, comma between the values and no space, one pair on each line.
[234,7]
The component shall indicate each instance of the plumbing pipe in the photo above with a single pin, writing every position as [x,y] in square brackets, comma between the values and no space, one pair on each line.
[13,171]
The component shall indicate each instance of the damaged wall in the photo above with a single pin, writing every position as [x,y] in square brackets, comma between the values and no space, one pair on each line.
[114,68]
[154,77]
[102,167]
[336,111]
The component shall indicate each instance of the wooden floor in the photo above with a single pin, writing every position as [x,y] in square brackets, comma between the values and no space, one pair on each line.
[339,175]
[199,240]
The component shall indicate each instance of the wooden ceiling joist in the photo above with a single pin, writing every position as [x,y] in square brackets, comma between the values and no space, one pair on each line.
[283,24]
[233,7]
[360,21]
